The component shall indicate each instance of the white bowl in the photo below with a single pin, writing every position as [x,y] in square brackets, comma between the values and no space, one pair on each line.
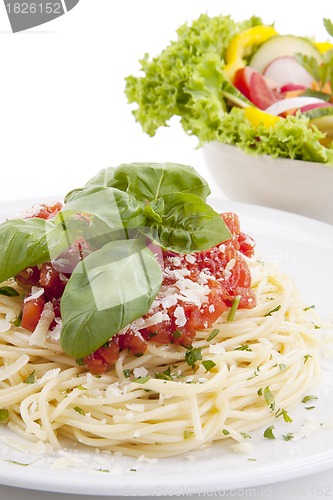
[301,187]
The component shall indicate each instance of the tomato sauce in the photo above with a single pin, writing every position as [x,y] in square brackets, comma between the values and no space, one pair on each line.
[196,289]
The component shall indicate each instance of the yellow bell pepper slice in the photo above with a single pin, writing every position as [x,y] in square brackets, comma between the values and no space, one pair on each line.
[258,117]
[241,43]
[323,46]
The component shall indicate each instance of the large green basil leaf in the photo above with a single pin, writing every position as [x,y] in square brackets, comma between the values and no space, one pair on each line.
[148,181]
[102,178]
[117,209]
[28,242]
[184,223]
[108,290]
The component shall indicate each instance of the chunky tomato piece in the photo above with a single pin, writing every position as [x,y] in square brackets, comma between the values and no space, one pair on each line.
[246,244]
[44,211]
[52,281]
[242,80]
[232,221]
[133,342]
[32,310]
[28,277]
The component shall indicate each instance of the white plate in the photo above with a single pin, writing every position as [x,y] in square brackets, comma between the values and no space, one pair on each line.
[302,247]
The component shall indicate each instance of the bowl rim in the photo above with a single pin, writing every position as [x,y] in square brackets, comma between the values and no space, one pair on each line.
[263,158]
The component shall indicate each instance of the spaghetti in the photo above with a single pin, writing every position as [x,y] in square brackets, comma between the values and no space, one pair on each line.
[171,399]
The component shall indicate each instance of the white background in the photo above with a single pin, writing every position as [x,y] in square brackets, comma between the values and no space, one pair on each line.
[64,115]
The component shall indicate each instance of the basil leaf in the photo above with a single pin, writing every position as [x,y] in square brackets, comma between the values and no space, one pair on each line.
[109,289]
[28,242]
[188,223]
[148,181]
[102,178]
[8,291]
[118,210]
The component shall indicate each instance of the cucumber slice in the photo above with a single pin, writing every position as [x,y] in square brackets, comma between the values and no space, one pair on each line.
[282,45]
[233,95]
[317,93]
[322,118]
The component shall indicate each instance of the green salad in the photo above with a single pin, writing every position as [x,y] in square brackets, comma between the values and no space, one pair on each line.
[241,83]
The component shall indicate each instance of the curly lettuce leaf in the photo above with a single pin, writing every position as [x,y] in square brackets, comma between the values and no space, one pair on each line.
[186,80]
[289,138]
[186,76]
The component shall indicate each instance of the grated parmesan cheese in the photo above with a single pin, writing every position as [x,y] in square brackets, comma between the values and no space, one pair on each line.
[180,316]
[217,348]
[140,372]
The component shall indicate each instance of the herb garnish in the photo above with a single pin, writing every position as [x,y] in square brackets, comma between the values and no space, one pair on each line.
[8,291]
[306,357]
[269,398]
[141,380]
[193,355]
[79,410]
[233,309]
[165,375]
[208,364]
[284,414]
[4,414]
[244,347]
[277,308]
[213,335]
[31,379]
[308,398]
[268,434]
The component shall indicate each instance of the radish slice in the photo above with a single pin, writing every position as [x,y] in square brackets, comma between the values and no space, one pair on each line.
[285,70]
[290,103]
[310,107]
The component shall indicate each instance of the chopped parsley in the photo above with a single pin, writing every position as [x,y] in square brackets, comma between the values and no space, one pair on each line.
[233,309]
[213,335]
[269,398]
[208,364]
[79,410]
[8,291]
[306,357]
[176,334]
[188,434]
[165,375]
[288,437]
[18,320]
[127,373]
[308,398]
[193,355]
[4,414]
[284,414]
[269,434]
[277,308]
[141,380]
[31,379]
[244,347]
[308,308]
[245,436]
[225,432]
